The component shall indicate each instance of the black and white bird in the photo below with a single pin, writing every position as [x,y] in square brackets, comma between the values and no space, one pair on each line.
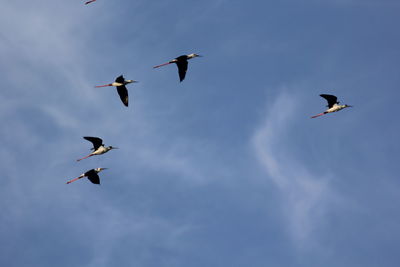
[182,64]
[120,83]
[92,175]
[333,105]
[98,147]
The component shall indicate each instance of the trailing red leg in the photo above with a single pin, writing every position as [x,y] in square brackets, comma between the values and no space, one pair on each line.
[320,114]
[73,180]
[161,65]
[103,85]
[85,157]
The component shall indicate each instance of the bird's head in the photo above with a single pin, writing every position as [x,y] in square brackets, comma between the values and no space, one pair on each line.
[100,169]
[193,55]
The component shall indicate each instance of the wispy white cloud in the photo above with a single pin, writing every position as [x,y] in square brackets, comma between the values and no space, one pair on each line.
[305,194]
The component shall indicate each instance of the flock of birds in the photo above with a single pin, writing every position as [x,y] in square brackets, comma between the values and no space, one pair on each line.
[182,63]
[98,147]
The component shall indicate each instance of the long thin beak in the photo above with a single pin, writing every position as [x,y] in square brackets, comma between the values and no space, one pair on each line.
[115,148]
[200,56]
[349,106]
[104,168]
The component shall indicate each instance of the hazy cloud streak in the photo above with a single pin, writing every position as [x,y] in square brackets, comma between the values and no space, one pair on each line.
[304,194]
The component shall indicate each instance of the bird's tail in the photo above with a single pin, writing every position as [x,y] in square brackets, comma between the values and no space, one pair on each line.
[105,85]
[73,180]
[320,114]
[161,65]
[85,157]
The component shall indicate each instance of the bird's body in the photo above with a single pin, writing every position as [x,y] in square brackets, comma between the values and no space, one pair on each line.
[336,108]
[92,175]
[333,105]
[182,64]
[120,83]
[102,150]
[117,84]
[98,147]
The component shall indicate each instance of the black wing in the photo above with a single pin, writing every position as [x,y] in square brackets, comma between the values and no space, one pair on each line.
[93,177]
[332,100]
[97,142]
[182,68]
[123,94]
[120,79]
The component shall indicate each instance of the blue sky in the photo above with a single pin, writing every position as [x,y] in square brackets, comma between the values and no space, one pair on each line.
[223,169]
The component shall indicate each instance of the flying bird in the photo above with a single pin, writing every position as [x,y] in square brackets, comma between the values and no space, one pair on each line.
[92,175]
[98,147]
[181,63]
[90,1]
[120,83]
[333,105]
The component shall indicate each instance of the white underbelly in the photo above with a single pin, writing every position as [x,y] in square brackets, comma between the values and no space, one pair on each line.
[99,151]
[334,109]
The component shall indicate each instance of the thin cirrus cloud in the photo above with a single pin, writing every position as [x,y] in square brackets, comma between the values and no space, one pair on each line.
[304,194]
